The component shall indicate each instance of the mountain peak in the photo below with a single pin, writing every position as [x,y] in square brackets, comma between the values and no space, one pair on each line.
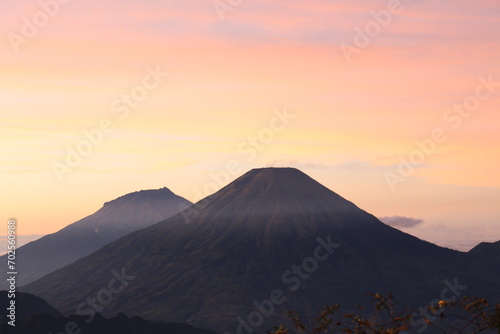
[287,190]
[275,172]
[276,176]
[114,220]
[281,178]
[150,194]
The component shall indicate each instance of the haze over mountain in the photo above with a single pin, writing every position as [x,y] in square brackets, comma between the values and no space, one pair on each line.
[272,240]
[115,219]
[21,240]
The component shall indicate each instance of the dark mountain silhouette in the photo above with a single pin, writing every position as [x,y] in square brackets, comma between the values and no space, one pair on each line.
[271,241]
[26,305]
[41,324]
[115,219]
[489,251]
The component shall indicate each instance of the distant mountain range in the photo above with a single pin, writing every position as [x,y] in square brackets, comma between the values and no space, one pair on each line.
[271,241]
[114,220]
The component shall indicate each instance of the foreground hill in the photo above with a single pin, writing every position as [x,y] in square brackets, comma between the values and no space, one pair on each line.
[114,220]
[42,324]
[26,305]
[271,241]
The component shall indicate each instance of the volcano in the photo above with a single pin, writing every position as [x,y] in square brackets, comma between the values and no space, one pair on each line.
[272,240]
[115,219]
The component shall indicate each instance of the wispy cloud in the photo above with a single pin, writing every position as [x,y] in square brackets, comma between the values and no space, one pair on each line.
[399,221]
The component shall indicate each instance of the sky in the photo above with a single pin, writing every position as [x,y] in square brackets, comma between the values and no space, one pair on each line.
[391,104]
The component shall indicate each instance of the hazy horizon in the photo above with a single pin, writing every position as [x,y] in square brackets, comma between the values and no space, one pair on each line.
[462,239]
[21,241]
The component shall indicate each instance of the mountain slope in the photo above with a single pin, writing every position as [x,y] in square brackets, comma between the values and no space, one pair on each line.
[274,237]
[115,219]
[26,305]
[489,251]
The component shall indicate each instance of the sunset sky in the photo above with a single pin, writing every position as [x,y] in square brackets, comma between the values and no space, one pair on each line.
[361,82]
